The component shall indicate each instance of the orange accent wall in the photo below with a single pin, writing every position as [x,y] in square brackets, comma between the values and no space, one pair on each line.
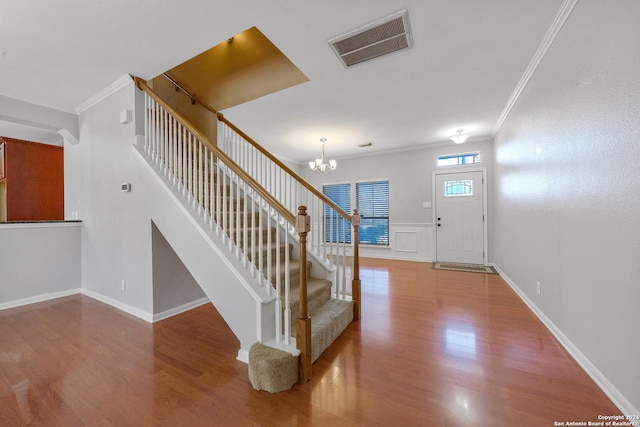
[34,180]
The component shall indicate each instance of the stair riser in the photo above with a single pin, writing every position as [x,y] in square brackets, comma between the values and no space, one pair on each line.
[313,303]
[274,250]
[254,234]
[294,276]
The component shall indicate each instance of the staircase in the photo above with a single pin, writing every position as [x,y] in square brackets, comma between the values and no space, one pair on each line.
[285,241]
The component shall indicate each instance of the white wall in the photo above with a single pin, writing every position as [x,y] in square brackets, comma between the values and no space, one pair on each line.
[116,237]
[38,262]
[411,232]
[566,208]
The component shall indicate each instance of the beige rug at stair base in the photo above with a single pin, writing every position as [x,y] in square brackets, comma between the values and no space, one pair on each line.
[271,369]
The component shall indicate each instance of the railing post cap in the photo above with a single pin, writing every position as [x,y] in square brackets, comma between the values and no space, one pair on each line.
[355,218]
[303,221]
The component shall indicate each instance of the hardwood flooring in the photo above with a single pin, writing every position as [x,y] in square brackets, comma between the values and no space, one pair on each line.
[433,348]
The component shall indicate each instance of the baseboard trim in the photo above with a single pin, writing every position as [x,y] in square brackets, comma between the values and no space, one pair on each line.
[598,377]
[141,314]
[243,356]
[38,298]
[180,309]
[397,258]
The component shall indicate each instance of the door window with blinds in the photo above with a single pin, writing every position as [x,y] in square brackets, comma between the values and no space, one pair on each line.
[371,198]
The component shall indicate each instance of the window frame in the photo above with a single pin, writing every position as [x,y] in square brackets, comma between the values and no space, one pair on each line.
[460,159]
[341,222]
[353,200]
[386,218]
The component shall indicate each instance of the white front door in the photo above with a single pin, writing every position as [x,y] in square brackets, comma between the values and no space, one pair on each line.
[460,217]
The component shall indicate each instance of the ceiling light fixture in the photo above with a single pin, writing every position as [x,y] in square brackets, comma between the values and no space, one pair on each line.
[321,165]
[459,137]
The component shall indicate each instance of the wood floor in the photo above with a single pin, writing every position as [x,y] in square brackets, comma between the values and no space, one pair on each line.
[433,348]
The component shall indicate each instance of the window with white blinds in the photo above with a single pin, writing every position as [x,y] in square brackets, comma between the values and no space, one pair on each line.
[336,228]
[372,201]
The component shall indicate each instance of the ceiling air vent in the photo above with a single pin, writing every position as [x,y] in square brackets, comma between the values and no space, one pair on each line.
[373,40]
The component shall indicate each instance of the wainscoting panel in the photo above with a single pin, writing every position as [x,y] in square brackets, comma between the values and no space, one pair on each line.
[411,242]
[407,241]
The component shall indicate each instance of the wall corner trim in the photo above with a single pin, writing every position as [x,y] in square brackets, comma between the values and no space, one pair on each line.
[122,82]
[598,377]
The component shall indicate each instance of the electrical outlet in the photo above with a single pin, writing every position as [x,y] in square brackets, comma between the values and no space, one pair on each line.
[538,288]
[123,285]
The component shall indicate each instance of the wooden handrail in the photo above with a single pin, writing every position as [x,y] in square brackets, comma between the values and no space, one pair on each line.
[259,147]
[279,207]
[286,168]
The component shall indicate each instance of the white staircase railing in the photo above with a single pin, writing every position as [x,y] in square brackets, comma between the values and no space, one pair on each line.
[331,236]
[245,216]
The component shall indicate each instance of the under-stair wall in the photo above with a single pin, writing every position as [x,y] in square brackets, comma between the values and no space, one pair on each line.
[203,257]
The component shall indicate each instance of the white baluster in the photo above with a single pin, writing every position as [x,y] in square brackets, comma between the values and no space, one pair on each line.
[184,159]
[261,245]
[212,175]
[246,227]
[238,223]
[269,247]
[172,147]
[254,236]
[155,133]
[225,202]
[232,214]
[278,285]
[218,201]
[205,176]
[344,257]
[287,287]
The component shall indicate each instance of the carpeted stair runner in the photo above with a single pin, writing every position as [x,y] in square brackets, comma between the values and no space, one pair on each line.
[271,369]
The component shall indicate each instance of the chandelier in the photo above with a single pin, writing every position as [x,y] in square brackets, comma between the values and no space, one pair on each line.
[322,165]
[459,137]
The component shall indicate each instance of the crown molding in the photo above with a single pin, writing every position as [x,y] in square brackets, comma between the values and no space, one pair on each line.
[122,82]
[422,147]
[553,31]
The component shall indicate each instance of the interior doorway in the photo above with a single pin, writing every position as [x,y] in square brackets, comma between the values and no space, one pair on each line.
[460,216]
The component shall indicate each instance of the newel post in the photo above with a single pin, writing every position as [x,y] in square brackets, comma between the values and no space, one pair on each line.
[355,284]
[303,323]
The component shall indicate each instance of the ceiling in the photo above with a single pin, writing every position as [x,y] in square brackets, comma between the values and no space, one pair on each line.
[466,61]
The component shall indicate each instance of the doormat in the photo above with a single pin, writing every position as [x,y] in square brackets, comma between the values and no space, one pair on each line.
[469,268]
